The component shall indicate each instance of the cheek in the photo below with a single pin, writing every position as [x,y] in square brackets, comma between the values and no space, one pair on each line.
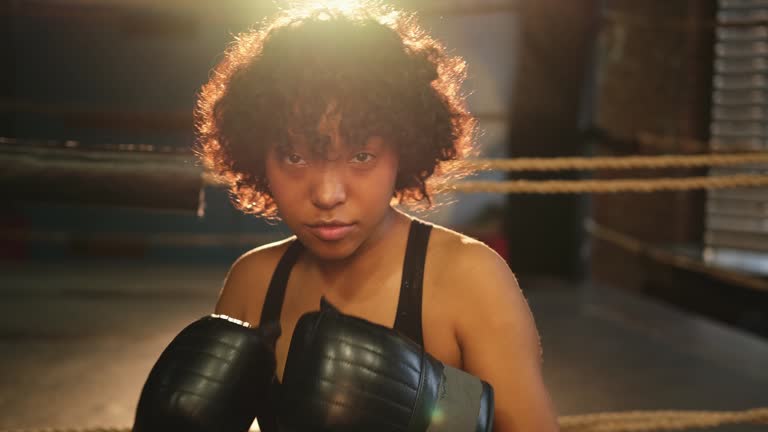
[393,167]
[380,186]
[281,187]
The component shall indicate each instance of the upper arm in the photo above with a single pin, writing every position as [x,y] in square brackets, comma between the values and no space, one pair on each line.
[500,344]
[233,294]
[245,286]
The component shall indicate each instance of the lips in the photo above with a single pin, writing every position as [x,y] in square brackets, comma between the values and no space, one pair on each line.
[332,231]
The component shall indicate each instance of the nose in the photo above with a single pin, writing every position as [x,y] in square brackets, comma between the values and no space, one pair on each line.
[329,189]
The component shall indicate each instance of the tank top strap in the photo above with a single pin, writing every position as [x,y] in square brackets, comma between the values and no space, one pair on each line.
[408,318]
[273,303]
[270,312]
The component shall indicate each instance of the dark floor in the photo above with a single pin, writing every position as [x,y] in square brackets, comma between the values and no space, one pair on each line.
[78,340]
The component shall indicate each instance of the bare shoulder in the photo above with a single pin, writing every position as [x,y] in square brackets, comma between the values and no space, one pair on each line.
[464,260]
[495,331]
[246,283]
[484,292]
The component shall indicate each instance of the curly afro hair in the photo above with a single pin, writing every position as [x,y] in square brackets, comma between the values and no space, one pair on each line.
[384,73]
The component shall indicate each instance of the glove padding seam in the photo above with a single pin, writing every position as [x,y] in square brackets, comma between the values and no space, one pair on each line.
[186,350]
[387,359]
[197,373]
[218,340]
[176,391]
[355,389]
[372,371]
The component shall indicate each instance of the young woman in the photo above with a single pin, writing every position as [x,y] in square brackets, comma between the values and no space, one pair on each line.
[327,119]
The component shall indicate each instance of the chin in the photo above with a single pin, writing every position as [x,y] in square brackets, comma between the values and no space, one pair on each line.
[331,250]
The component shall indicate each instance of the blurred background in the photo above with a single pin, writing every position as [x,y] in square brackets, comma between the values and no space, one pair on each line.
[111,241]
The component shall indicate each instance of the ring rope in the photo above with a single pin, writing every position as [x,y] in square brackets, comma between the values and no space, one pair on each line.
[659,254]
[617,162]
[628,421]
[587,186]
[646,421]
[609,186]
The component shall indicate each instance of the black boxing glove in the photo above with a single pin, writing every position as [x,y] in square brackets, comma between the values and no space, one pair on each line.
[345,374]
[210,378]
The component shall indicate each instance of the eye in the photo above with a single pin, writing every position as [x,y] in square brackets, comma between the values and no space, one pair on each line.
[294,159]
[363,157]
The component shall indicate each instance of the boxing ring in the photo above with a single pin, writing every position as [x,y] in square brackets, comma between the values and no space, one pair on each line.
[79,338]
[629,363]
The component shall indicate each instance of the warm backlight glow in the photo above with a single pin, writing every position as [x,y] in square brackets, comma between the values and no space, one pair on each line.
[346,7]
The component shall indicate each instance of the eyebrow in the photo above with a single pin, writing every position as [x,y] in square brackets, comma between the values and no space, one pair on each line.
[302,142]
[375,143]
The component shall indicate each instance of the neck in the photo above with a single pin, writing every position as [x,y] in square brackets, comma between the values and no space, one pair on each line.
[367,259]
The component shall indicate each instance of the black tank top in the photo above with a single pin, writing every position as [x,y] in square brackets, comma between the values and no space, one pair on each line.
[407,319]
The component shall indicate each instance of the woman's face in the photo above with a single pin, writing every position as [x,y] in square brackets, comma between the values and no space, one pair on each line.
[333,202]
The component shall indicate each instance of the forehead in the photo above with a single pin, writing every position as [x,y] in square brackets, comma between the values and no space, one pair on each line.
[327,128]
[323,144]
[328,131]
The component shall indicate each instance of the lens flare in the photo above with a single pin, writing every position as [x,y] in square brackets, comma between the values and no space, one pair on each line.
[437,417]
